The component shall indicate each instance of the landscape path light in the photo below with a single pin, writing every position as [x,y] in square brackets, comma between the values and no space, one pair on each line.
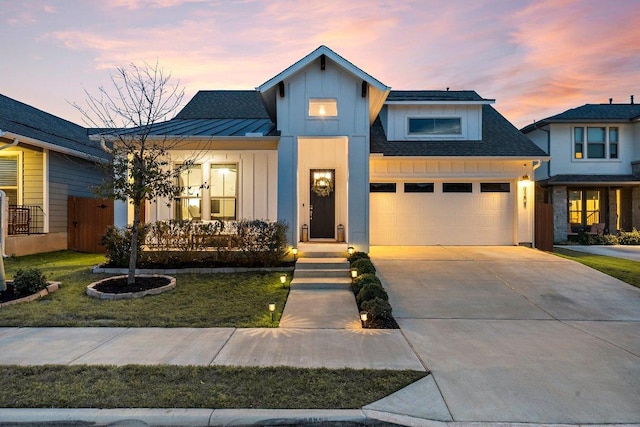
[354,273]
[294,251]
[283,279]
[364,316]
[272,310]
[351,250]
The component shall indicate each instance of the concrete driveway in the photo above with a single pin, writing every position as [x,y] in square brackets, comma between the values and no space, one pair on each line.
[512,334]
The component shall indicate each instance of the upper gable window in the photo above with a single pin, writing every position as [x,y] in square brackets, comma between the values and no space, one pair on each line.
[435,126]
[323,107]
[595,142]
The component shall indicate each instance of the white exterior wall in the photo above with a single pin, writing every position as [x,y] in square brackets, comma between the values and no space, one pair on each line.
[349,133]
[636,141]
[562,152]
[256,188]
[397,121]
[401,170]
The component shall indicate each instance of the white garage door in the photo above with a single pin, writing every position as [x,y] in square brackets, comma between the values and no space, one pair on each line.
[441,217]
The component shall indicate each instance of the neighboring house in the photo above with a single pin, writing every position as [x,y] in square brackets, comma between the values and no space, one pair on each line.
[333,152]
[43,160]
[594,174]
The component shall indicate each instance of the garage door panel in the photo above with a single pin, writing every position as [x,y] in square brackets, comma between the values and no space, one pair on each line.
[442,218]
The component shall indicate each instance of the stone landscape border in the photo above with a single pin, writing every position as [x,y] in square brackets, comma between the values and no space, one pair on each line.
[195,270]
[51,287]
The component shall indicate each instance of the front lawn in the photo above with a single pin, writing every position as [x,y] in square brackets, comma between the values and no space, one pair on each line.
[626,270]
[199,300]
[196,387]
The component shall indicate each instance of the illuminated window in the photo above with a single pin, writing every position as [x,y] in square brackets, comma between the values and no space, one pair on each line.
[323,107]
[224,179]
[188,204]
[584,207]
[597,142]
[9,178]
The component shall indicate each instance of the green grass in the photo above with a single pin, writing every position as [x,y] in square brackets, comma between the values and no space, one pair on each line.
[199,300]
[136,386]
[626,270]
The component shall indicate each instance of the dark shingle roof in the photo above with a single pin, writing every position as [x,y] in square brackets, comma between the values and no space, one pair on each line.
[592,113]
[435,95]
[224,104]
[22,119]
[499,138]
[592,179]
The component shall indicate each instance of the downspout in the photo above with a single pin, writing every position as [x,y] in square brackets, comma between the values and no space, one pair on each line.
[4,211]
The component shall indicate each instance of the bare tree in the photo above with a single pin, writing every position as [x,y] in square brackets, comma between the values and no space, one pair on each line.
[139,167]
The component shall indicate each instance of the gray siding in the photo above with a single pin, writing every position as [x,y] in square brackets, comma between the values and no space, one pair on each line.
[69,176]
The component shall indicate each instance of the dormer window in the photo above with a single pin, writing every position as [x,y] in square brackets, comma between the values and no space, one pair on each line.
[597,142]
[323,107]
[435,126]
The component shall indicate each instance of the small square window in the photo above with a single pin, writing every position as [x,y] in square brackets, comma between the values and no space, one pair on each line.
[457,187]
[382,187]
[323,107]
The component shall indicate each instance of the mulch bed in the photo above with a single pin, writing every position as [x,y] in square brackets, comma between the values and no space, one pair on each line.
[118,285]
[382,324]
[10,295]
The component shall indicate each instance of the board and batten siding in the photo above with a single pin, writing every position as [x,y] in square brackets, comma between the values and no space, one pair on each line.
[69,176]
[397,120]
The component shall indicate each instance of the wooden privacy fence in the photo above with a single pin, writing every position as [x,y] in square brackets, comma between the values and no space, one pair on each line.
[88,221]
[544,226]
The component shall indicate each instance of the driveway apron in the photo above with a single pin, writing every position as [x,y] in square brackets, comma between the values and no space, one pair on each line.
[512,334]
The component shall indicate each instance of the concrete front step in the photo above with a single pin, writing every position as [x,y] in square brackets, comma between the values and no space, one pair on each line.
[320,283]
[322,254]
[324,273]
[322,264]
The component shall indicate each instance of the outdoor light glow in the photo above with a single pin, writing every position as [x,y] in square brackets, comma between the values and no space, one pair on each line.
[363,316]
[272,307]
[351,250]
[354,273]
[283,278]
[294,251]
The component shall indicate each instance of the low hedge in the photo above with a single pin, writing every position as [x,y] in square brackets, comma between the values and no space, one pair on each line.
[244,243]
[362,280]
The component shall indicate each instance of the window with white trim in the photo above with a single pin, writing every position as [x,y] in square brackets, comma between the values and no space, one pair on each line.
[323,107]
[595,142]
[223,191]
[9,182]
[188,204]
[435,126]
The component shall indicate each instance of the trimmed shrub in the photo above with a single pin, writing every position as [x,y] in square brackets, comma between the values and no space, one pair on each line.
[358,255]
[117,245]
[371,291]
[377,309]
[363,279]
[629,237]
[29,281]
[364,266]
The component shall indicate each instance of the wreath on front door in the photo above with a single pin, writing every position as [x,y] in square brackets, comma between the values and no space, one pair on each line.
[322,186]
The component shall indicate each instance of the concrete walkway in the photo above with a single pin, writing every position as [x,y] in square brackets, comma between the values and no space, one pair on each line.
[510,334]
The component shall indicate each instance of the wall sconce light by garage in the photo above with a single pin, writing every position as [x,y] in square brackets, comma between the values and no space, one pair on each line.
[272,310]
[364,316]
[283,279]
[354,273]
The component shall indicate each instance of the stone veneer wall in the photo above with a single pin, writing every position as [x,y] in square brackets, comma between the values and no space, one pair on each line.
[560,219]
[635,208]
[612,224]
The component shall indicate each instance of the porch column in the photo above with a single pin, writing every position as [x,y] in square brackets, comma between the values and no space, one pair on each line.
[635,210]
[612,214]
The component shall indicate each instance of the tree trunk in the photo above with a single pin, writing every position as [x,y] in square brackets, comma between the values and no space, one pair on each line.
[131,276]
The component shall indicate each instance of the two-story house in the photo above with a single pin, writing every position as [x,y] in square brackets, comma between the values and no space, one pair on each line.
[339,156]
[594,173]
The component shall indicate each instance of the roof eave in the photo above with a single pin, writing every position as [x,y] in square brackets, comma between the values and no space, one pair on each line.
[53,147]
[490,158]
[449,102]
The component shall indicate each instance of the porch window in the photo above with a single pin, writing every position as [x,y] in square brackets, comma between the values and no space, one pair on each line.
[188,203]
[584,207]
[435,126]
[223,190]
[9,178]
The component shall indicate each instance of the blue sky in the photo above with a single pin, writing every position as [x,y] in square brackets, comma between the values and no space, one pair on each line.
[536,58]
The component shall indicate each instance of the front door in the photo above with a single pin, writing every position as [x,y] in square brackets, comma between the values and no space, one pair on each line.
[322,204]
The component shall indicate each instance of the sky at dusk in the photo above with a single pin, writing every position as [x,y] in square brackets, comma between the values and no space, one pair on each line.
[536,58]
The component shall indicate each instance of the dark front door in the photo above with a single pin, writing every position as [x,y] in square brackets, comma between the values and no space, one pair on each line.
[322,204]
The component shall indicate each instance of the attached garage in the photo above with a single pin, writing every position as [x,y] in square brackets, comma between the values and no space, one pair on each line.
[443,213]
